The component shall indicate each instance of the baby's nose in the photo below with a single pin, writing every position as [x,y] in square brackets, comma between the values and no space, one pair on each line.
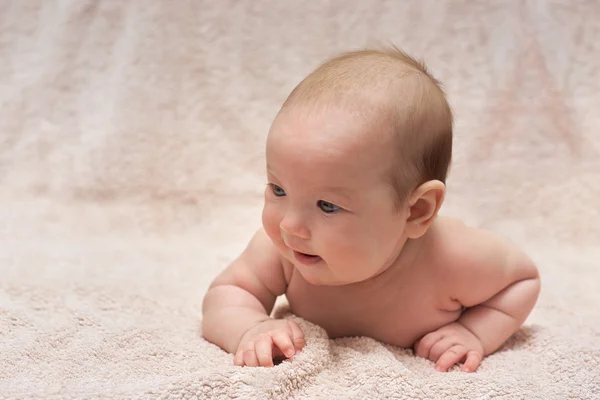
[294,225]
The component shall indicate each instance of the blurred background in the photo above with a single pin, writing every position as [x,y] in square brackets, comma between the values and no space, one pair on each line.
[132,152]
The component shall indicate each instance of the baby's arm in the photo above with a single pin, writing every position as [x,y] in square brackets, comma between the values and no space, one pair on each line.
[496,282]
[243,295]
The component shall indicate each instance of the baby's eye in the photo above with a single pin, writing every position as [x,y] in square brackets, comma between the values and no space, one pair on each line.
[277,190]
[327,207]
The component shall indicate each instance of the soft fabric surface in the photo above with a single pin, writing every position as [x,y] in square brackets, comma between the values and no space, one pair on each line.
[131,173]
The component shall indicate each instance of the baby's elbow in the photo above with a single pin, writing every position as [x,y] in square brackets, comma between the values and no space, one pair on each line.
[530,291]
[535,285]
[536,288]
[529,282]
[534,281]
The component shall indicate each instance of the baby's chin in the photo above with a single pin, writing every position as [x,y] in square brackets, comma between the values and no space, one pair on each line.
[317,279]
[321,276]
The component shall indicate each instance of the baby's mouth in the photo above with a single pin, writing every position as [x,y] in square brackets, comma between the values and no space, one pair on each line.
[306,259]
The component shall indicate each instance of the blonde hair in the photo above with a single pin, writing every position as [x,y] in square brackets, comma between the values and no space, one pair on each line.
[399,92]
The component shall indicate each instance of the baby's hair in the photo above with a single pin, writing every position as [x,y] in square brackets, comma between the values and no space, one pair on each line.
[396,92]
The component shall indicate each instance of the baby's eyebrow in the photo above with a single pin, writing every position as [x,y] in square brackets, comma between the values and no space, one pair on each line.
[340,190]
[343,191]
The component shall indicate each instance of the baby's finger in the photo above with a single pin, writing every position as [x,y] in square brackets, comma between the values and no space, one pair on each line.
[250,359]
[238,359]
[472,362]
[283,341]
[264,350]
[416,346]
[249,355]
[425,343]
[450,357]
[297,335]
[439,348]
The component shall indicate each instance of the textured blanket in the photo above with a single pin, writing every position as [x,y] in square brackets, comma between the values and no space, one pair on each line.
[131,172]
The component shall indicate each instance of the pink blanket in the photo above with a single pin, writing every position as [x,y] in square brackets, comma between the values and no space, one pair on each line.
[131,172]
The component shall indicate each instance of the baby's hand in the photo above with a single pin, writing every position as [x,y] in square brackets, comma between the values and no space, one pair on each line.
[449,345]
[269,339]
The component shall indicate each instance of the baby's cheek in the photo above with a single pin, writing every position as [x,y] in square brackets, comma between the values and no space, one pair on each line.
[344,248]
[270,221]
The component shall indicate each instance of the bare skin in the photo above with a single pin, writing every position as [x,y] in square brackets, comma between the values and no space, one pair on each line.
[350,261]
[415,304]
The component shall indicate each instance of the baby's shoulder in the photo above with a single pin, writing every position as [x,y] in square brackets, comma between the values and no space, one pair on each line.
[448,226]
[454,244]
[470,265]
[448,234]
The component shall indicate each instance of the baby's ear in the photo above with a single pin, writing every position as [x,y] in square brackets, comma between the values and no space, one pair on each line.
[424,204]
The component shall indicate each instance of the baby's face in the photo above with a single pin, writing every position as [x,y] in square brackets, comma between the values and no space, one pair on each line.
[328,207]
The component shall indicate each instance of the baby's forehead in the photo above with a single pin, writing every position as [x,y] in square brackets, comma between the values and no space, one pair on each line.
[323,154]
[340,125]
[330,144]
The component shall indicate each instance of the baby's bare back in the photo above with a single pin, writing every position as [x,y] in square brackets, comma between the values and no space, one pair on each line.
[397,307]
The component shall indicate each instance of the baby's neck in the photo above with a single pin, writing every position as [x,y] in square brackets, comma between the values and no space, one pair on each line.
[401,264]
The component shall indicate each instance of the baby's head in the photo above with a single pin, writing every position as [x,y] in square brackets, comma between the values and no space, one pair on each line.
[367,135]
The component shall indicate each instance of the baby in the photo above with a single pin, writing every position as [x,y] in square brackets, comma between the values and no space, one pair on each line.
[357,159]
